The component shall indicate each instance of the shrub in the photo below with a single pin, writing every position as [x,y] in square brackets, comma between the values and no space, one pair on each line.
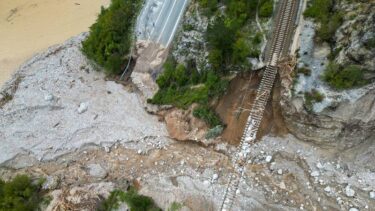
[322,11]
[304,70]
[111,36]
[214,132]
[206,114]
[175,207]
[20,194]
[182,87]
[266,9]
[313,97]
[135,201]
[370,44]
[344,78]
[209,5]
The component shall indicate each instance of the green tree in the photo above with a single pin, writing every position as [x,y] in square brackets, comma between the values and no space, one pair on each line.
[111,36]
[241,50]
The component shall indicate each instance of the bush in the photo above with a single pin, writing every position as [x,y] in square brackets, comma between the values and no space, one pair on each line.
[111,36]
[344,78]
[181,87]
[322,11]
[304,70]
[20,194]
[209,5]
[135,201]
[214,132]
[175,207]
[266,9]
[226,40]
[206,114]
[313,97]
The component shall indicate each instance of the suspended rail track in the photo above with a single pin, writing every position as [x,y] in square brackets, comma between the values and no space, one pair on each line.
[284,25]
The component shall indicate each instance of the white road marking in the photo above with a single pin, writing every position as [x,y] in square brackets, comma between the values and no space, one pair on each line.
[166,21]
[176,24]
[153,29]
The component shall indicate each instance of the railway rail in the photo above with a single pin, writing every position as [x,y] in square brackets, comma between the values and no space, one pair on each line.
[278,47]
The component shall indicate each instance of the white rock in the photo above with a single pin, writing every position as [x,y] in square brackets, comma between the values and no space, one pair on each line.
[215,176]
[206,183]
[139,152]
[107,149]
[82,108]
[280,171]
[97,170]
[51,183]
[315,173]
[268,158]
[353,209]
[372,195]
[319,165]
[327,189]
[48,97]
[349,192]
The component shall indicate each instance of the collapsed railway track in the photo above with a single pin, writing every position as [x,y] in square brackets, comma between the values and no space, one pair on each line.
[284,25]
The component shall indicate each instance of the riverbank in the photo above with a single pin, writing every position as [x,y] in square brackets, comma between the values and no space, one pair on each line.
[34,25]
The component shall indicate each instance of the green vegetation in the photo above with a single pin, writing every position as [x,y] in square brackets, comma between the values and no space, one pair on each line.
[110,38]
[266,9]
[230,43]
[135,201]
[323,12]
[370,44]
[344,78]
[21,194]
[210,6]
[214,132]
[175,207]
[228,36]
[209,116]
[304,70]
[181,86]
[313,97]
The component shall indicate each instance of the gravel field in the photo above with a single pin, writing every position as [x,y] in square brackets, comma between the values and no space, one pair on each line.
[61,103]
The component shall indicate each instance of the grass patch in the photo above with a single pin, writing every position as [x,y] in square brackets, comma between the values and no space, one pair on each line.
[344,77]
[175,207]
[135,201]
[21,194]
[323,12]
[313,97]
[110,38]
[304,70]
[206,114]
[266,9]
[181,86]
[370,44]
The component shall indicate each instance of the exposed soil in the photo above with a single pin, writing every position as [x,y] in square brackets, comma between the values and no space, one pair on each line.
[234,108]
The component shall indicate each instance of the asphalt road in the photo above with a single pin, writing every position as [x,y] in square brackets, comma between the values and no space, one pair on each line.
[159,20]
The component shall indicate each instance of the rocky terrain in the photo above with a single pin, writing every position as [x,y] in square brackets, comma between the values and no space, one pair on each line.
[345,118]
[62,120]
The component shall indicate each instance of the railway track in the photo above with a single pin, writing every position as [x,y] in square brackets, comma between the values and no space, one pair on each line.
[278,47]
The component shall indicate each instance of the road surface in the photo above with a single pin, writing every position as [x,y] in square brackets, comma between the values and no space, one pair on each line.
[159,20]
